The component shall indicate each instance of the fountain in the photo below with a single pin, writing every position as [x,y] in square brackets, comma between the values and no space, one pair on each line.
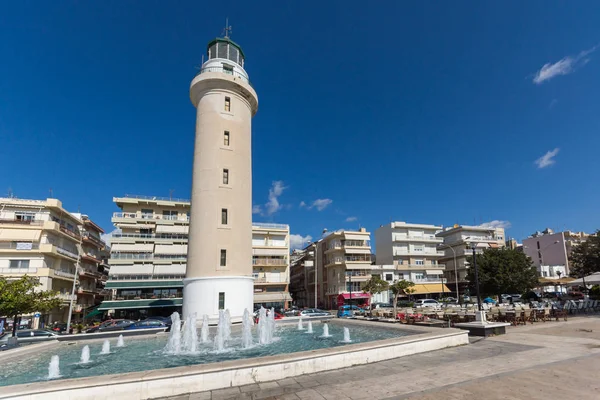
[310,330]
[174,343]
[105,347]
[346,336]
[204,331]
[190,334]
[227,326]
[265,335]
[85,355]
[219,342]
[300,327]
[120,341]
[271,324]
[54,368]
[325,331]
[246,330]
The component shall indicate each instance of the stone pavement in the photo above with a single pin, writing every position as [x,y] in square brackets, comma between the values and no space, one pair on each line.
[541,361]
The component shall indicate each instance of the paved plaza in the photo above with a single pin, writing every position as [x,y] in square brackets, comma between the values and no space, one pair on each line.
[548,360]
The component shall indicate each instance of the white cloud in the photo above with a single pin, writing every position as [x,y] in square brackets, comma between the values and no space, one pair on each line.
[299,241]
[271,206]
[497,224]
[351,219]
[302,204]
[564,66]
[321,204]
[547,159]
[108,236]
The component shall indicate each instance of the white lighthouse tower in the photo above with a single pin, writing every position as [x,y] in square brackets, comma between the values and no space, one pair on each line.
[219,263]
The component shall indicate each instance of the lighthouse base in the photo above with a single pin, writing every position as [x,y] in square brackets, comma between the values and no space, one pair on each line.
[207,295]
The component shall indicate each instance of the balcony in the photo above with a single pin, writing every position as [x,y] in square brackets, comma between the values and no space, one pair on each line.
[90,273]
[421,266]
[427,280]
[425,238]
[269,262]
[14,221]
[159,236]
[131,256]
[66,296]
[9,271]
[156,198]
[146,217]
[87,290]
[52,249]
[418,253]
[97,241]
[269,278]
[19,246]
[222,70]
[64,274]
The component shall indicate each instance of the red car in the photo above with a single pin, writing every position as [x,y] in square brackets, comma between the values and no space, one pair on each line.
[277,315]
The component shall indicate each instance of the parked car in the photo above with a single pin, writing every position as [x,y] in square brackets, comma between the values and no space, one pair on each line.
[111,325]
[165,320]
[449,300]
[60,328]
[376,306]
[146,324]
[427,303]
[347,310]
[314,312]
[29,335]
[489,300]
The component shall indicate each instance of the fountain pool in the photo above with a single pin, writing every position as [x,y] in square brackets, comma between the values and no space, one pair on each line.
[142,354]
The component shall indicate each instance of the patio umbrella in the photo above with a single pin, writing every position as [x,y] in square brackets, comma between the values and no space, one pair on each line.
[593,279]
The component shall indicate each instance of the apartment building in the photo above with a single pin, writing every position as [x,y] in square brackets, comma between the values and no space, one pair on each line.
[40,238]
[300,260]
[454,245]
[344,265]
[552,249]
[270,263]
[93,268]
[410,251]
[148,258]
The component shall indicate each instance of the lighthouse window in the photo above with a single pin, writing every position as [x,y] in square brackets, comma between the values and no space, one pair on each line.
[226,138]
[228,69]
[221,300]
[225,176]
[227,104]
[223,262]
[224,216]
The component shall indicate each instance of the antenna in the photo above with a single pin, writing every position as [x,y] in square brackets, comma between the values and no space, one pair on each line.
[227,30]
[51,194]
[171,194]
[10,193]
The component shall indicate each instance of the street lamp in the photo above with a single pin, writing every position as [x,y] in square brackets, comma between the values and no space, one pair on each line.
[474,247]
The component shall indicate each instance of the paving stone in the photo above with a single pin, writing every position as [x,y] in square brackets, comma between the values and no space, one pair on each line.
[309,394]
[200,396]
[253,387]
[268,385]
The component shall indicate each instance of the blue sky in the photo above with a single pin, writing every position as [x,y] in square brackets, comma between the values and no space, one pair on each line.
[428,113]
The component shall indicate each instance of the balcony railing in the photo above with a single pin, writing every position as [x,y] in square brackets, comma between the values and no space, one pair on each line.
[136,196]
[269,261]
[269,278]
[65,274]
[427,238]
[132,256]
[269,225]
[422,266]
[418,253]
[18,270]
[20,221]
[69,232]
[92,238]
[66,296]
[224,71]
[429,279]
[66,252]
[88,272]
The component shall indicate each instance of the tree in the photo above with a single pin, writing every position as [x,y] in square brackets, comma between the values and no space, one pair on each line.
[398,288]
[375,285]
[18,297]
[502,271]
[585,258]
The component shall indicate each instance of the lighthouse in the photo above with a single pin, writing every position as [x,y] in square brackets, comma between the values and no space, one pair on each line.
[219,262]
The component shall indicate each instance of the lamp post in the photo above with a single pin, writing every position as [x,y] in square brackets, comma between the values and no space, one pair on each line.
[474,247]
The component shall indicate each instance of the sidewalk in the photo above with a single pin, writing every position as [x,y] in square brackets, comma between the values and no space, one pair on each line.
[540,361]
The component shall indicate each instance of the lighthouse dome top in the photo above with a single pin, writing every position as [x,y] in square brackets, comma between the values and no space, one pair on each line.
[226,48]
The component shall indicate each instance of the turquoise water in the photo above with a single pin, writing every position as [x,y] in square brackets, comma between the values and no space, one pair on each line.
[147,353]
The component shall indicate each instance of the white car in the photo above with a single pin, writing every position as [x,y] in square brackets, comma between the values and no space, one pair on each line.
[427,303]
[314,312]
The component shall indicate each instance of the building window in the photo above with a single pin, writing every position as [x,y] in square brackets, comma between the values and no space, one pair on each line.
[145,231]
[225,176]
[147,213]
[228,69]
[221,300]
[25,216]
[419,262]
[19,264]
[223,262]
[389,277]
[224,216]
[226,138]
[227,104]
[419,276]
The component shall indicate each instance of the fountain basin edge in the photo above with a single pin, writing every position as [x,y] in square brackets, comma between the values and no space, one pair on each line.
[203,377]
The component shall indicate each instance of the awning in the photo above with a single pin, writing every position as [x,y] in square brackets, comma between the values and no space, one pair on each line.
[171,249]
[272,297]
[434,272]
[357,251]
[357,295]
[133,304]
[493,245]
[553,282]
[93,313]
[427,288]
[270,252]
[15,235]
[179,229]
[133,247]
[593,279]
[142,284]
[355,236]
